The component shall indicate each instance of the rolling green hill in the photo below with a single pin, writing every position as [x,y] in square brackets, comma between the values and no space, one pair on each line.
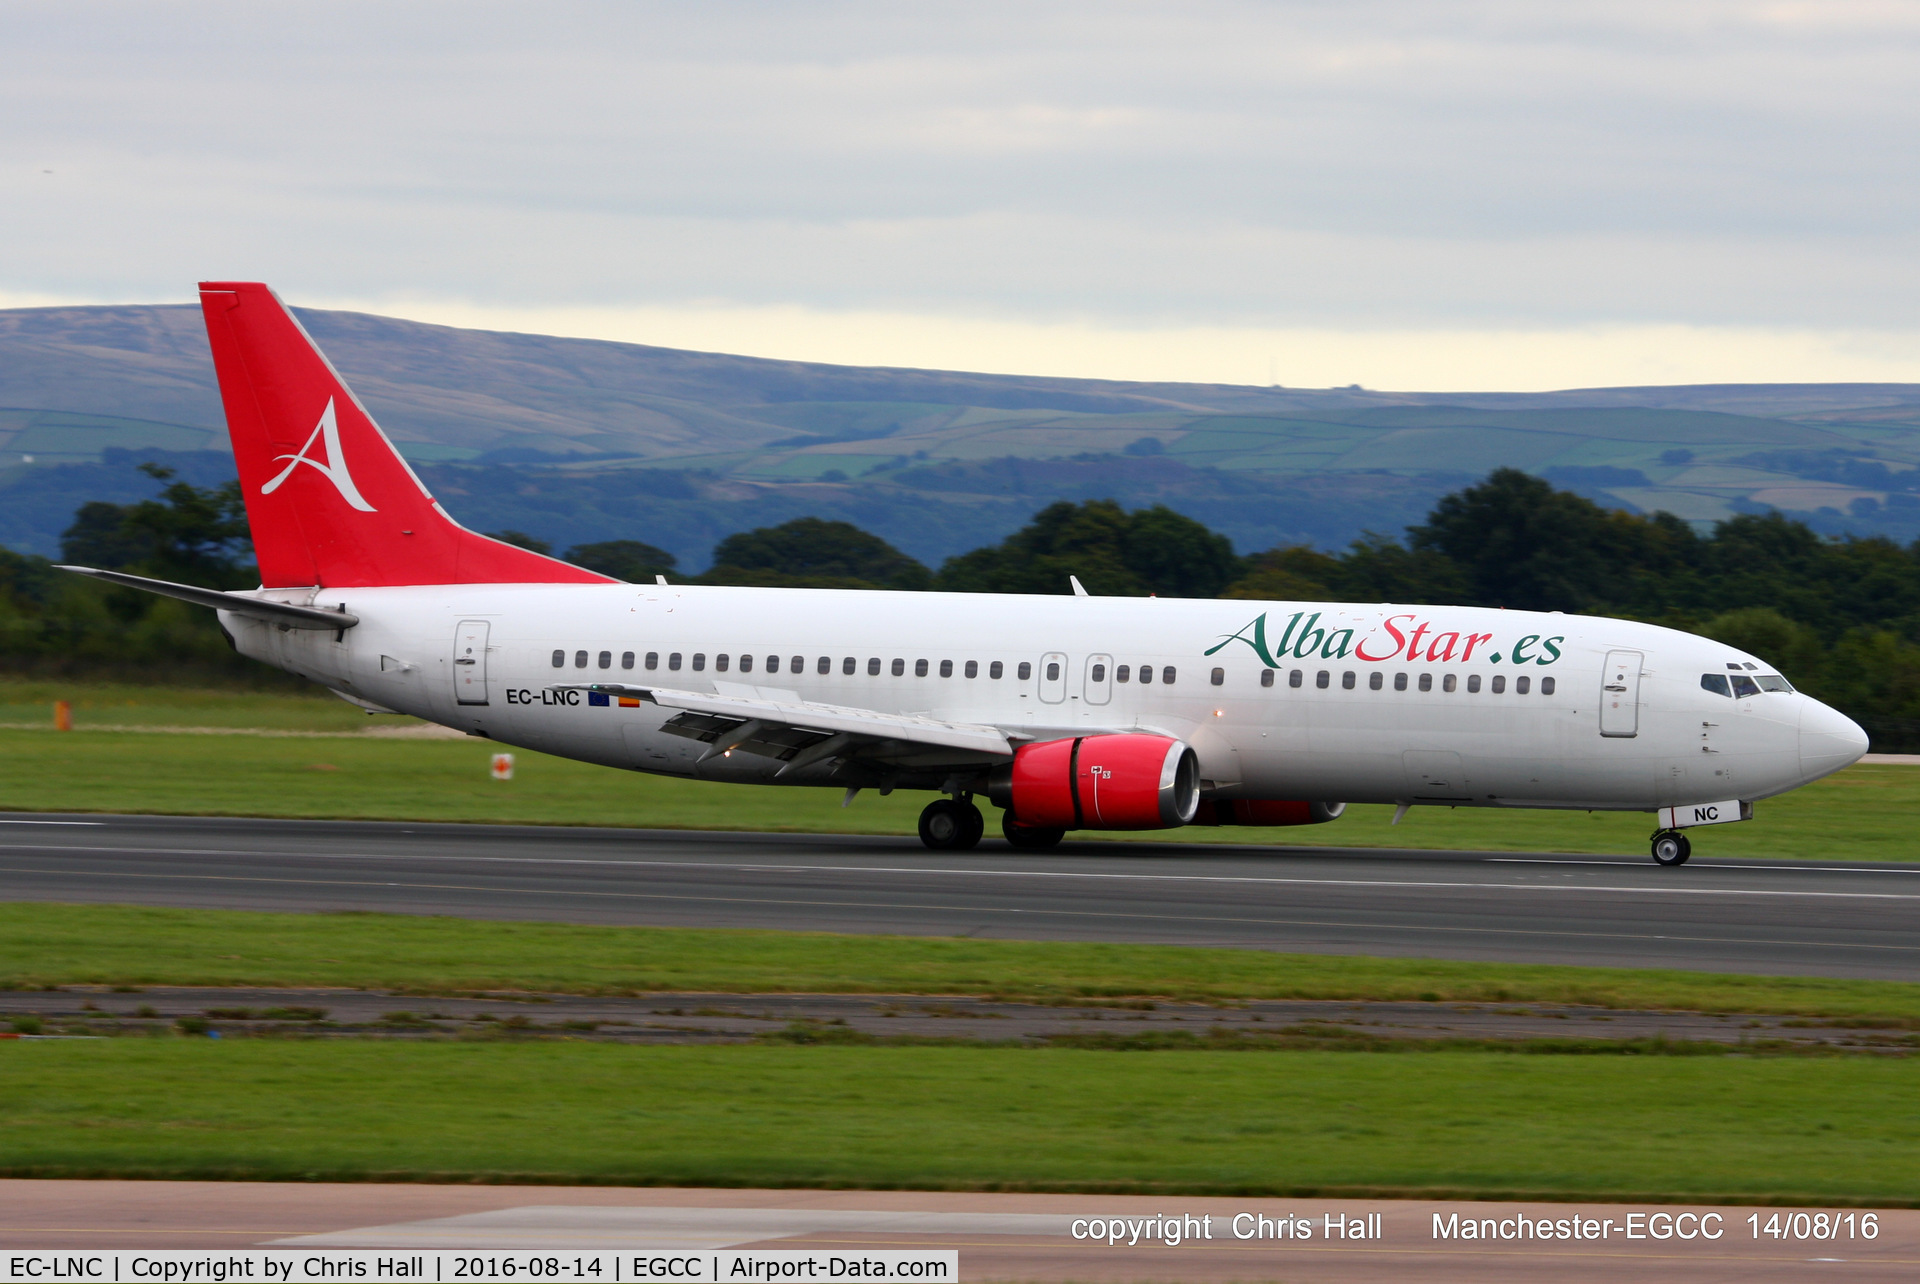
[538,432]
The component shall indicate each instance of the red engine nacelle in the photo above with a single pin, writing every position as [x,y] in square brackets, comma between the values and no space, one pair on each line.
[1101,782]
[1270,812]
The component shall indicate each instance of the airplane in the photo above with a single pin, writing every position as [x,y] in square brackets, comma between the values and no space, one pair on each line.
[1070,712]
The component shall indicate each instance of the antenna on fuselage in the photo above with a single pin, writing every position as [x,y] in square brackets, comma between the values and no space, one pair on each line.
[1079,589]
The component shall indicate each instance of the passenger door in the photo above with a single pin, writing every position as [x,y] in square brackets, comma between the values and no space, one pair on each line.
[470,662]
[1053,677]
[1620,695]
[1099,686]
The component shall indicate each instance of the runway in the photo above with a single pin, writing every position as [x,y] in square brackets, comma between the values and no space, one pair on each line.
[1841,919]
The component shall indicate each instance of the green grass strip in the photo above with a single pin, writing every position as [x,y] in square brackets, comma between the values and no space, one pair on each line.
[1864,813]
[1717,1129]
[44,944]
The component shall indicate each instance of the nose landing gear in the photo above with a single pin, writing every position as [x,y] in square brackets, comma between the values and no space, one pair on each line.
[1670,847]
[951,824]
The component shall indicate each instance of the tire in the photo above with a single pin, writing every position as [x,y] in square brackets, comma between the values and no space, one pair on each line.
[943,825]
[1671,848]
[1030,837]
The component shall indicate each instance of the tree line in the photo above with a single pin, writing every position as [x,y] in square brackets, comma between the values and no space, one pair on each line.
[1840,616]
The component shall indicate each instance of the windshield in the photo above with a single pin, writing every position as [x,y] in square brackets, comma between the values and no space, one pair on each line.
[1740,685]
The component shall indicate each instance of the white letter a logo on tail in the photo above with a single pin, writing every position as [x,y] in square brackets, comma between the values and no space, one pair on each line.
[327,432]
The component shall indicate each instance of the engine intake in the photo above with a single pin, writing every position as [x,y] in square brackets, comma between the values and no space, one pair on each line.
[1100,782]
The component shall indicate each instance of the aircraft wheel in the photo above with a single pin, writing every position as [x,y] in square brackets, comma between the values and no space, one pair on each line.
[1671,848]
[1030,837]
[944,827]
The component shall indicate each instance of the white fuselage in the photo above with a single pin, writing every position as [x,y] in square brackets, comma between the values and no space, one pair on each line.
[1447,723]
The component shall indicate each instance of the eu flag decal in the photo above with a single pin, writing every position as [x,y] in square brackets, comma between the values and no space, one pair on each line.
[598,699]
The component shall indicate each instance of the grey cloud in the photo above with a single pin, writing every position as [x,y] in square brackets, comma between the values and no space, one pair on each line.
[1378,163]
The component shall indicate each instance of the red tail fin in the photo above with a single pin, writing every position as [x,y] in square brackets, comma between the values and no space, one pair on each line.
[329,499]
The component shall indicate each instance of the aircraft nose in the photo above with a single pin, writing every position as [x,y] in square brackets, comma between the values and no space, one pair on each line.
[1829,740]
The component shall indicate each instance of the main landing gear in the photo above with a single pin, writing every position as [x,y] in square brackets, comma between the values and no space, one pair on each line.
[1670,847]
[951,824]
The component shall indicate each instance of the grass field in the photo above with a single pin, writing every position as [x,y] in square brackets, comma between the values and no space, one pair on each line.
[1292,1122]
[1864,813]
[45,945]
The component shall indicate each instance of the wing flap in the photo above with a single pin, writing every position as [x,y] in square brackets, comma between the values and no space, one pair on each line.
[781,719]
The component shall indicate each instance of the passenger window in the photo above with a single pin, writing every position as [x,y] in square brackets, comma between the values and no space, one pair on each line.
[1024,672]
[606,659]
[873,667]
[946,668]
[653,660]
[1266,677]
[1293,678]
[1744,686]
[899,668]
[1053,671]
[1448,683]
[1499,683]
[798,664]
[699,661]
[973,668]
[1166,675]
[1473,684]
[720,662]
[1346,680]
[673,661]
[1426,682]
[1399,682]
[1774,682]
[1219,677]
[824,665]
[1546,686]
[919,668]
[626,659]
[579,659]
[1146,674]
[1376,680]
[995,669]
[1520,685]
[746,664]
[773,665]
[1320,679]
[1123,673]
[559,659]
[1100,672]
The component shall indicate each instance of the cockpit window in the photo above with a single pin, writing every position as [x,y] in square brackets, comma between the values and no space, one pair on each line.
[1744,686]
[1716,683]
[1773,682]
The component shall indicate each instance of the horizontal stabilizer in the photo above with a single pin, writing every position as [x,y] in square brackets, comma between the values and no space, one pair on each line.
[294,617]
[824,718]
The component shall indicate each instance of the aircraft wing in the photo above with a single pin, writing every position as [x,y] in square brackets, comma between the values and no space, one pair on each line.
[800,732]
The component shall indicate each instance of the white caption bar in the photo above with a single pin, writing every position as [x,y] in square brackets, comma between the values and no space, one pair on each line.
[371,1266]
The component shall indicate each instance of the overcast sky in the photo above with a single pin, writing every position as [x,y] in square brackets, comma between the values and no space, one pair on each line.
[1410,195]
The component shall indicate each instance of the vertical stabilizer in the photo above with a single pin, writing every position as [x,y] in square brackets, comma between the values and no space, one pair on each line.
[330,501]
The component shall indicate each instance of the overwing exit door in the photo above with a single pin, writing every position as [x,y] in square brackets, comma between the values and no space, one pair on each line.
[470,662]
[1053,677]
[1620,694]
